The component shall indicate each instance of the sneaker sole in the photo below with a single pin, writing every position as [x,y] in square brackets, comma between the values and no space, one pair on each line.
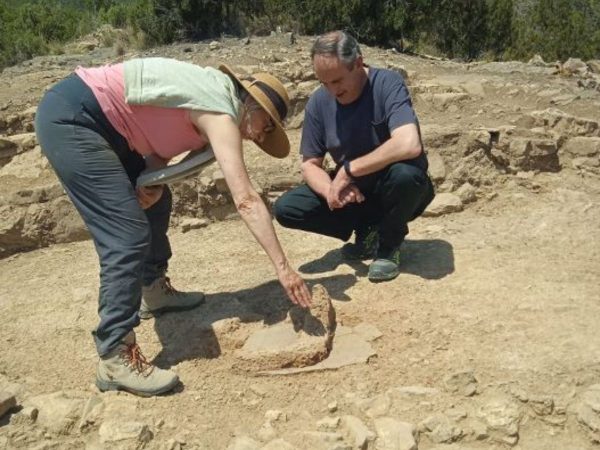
[105,386]
[377,279]
[167,309]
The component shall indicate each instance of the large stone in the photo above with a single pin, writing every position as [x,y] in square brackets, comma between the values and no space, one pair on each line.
[594,65]
[437,168]
[463,382]
[564,123]
[440,429]
[92,412]
[29,164]
[115,430]
[582,146]
[393,434]
[26,141]
[541,405]
[437,136]
[502,418]
[302,340]
[443,203]
[575,66]
[39,224]
[59,411]
[591,164]
[534,154]
[467,193]
[348,348]
[37,194]
[8,148]
[357,432]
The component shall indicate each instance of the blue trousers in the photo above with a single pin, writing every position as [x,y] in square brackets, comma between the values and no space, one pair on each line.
[394,197]
[98,171]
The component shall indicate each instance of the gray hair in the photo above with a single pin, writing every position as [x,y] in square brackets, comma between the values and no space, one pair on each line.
[340,44]
[249,102]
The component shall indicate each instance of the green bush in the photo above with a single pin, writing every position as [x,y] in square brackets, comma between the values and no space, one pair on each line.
[31,29]
[467,29]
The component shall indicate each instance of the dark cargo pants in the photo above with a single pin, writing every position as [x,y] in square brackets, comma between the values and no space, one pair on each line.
[98,171]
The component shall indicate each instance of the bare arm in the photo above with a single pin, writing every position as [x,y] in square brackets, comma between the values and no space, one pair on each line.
[315,176]
[225,139]
[404,144]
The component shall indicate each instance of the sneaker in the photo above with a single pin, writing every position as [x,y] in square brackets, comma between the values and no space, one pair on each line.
[386,265]
[126,369]
[161,297]
[364,246]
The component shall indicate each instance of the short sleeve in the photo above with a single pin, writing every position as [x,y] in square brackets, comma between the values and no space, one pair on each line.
[397,104]
[312,144]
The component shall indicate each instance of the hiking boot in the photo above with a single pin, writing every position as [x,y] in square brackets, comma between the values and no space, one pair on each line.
[364,246]
[126,369]
[386,265]
[160,297]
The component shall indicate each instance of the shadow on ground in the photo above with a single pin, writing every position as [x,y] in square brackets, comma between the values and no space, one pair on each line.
[191,335]
[431,259]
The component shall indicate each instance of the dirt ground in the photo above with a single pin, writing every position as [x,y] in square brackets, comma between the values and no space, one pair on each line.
[506,290]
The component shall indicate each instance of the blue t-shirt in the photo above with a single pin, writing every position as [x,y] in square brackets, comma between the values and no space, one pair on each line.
[347,132]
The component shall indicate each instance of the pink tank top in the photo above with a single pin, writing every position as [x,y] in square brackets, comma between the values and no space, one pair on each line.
[166,132]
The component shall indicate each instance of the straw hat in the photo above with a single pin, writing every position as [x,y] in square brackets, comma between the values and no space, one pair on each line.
[270,94]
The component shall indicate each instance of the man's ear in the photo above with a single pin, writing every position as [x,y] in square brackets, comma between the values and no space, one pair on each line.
[359,64]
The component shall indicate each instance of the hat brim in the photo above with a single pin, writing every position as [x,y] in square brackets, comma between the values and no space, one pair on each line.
[275,143]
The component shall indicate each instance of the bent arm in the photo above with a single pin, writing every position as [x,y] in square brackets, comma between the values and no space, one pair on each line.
[225,139]
[404,144]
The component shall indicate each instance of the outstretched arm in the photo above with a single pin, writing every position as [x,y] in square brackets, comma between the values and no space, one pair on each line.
[225,139]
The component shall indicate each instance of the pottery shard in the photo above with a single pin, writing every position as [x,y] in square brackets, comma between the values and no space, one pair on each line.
[304,339]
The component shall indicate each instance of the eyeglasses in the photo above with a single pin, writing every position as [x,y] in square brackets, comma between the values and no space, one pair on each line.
[269,127]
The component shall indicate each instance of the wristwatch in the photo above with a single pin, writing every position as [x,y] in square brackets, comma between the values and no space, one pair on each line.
[346,165]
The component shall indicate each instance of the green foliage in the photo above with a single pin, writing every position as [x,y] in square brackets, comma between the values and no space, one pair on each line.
[559,29]
[34,29]
[467,29]
[500,27]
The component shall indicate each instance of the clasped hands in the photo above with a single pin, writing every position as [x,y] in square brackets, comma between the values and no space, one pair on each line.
[342,191]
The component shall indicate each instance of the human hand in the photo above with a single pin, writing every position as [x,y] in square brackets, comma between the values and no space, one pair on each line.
[351,194]
[148,195]
[338,190]
[295,287]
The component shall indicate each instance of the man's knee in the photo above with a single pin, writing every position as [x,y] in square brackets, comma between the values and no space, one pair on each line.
[283,210]
[404,179]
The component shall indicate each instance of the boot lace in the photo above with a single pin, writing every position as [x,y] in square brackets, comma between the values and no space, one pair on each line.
[132,354]
[168,287]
